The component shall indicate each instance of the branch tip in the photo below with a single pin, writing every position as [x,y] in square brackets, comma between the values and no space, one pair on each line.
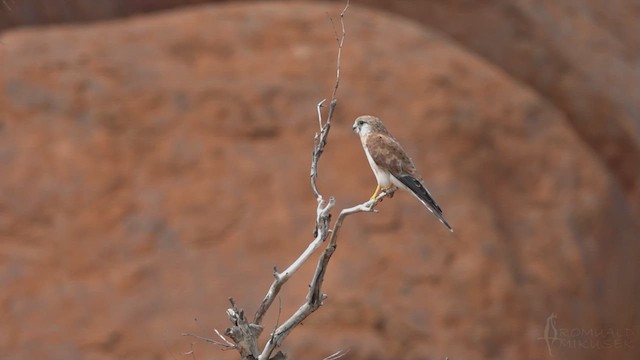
[337,355]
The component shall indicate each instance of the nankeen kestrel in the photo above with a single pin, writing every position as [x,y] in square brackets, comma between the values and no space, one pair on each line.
[391,165]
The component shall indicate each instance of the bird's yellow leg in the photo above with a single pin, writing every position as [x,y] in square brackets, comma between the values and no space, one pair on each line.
[375,193]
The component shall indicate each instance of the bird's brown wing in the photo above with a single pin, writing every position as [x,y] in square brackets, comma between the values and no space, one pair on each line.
[387,153]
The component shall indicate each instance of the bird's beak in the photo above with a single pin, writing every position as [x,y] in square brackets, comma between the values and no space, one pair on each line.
[355,128]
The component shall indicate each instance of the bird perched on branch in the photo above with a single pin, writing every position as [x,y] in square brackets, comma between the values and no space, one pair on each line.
[391,165]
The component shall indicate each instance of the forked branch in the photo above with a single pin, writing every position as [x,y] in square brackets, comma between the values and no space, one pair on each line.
[244,334]
[315,297]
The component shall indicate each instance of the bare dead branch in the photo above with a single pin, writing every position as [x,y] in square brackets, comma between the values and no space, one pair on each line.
[340,41]
[190,352]
[275,326]
[224,345]
[315,296]
[279,356]
[244,334]
[6,4]
[337,355]
[322,229]
[320,140]
[224,339]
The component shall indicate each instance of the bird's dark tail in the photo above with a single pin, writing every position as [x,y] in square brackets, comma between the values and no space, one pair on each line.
[425,197]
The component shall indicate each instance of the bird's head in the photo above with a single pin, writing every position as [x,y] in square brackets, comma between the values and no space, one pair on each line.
[366,123]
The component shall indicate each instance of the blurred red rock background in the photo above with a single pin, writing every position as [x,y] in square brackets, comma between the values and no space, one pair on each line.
[153,165]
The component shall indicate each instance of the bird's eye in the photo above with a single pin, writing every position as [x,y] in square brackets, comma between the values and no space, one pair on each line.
[360,122]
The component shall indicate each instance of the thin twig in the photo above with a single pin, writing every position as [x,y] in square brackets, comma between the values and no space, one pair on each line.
[275,326]
[190,352]
[337,355]
[7,5]
[319,109]
[224,339]
[339,56]
[224,346]
[321,139]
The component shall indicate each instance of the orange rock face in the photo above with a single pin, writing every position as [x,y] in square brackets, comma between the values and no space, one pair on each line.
[152,167]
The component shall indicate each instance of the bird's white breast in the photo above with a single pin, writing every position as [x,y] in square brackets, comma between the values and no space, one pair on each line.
[382,176]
